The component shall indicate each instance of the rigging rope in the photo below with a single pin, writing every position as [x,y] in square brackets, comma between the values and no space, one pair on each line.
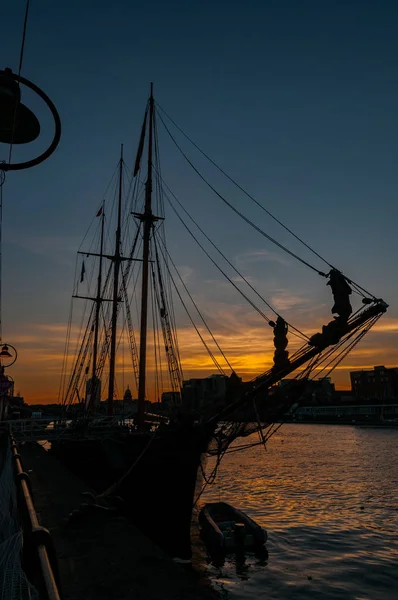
[156,306]
[163,275]
[301,334]
[169,333]
[260,312]
[156,337]
[230,433]
[362,291]
[338,360]
[210,353]
[85,355]
[344,352]
[21,56]
[235,210]
[223,447]
[199,313]
[242,189]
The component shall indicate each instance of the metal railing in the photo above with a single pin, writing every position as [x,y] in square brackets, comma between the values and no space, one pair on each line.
[54,428]
[39,558]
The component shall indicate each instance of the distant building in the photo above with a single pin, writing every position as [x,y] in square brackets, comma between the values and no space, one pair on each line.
[127,406]
[128,396]
[198,393]
[380,382]
[317,391]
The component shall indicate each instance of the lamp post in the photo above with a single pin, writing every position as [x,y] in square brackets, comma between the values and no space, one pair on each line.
[6,382]
[18,126]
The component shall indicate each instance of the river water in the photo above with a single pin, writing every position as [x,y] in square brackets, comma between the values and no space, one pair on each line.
[328,498]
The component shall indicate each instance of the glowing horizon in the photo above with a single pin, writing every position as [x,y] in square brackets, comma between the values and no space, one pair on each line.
[37,373]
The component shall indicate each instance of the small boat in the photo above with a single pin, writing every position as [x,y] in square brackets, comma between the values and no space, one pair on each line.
[225,529]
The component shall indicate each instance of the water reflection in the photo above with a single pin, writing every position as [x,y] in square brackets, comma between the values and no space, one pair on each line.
[328,498]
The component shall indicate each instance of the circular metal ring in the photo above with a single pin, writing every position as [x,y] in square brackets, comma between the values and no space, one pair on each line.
[57,135]
[2,344]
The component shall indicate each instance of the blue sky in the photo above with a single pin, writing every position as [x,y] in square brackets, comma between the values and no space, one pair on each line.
[296,100]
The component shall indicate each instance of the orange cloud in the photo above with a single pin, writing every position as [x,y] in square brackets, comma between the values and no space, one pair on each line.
[386,326]
[246,340]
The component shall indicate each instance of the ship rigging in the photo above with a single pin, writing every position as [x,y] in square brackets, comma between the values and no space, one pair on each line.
[136,273]
[140,253]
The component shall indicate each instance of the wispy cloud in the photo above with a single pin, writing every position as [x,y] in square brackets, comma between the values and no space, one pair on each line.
[51,246]
[185,273]
[247,278]
[259,256]
[386,326]
[283,299]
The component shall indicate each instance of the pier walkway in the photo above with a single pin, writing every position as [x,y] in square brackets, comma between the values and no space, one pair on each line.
[102,556]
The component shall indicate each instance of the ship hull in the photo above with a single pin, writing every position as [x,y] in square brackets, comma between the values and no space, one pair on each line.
[157,475]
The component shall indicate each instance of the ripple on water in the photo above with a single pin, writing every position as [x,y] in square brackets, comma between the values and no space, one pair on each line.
[328,499]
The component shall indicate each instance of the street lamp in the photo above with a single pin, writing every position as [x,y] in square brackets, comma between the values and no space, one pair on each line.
[5,355]
[18,124]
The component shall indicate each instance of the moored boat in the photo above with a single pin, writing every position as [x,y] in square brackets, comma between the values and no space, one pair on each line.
[226,529]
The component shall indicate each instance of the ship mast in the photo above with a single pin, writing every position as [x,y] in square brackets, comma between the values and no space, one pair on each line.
[98,301]
[117,261]
[147,218]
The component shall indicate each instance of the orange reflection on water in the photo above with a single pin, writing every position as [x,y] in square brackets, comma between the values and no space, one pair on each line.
[327,497]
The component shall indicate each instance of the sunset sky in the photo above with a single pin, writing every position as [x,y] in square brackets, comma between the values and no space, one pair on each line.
[296,100]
